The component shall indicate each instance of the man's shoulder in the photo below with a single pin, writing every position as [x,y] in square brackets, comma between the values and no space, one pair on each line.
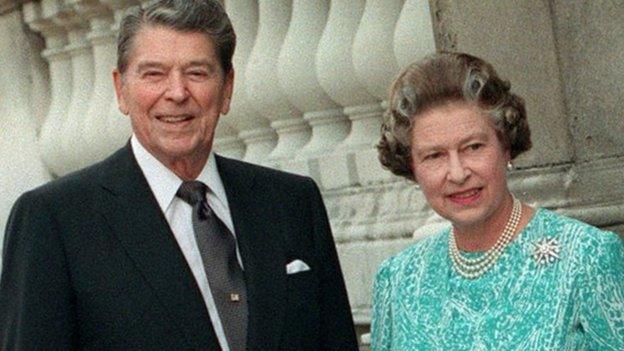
[262,173]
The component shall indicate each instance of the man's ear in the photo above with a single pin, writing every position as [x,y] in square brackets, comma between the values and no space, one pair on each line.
[228,90]
[118,83]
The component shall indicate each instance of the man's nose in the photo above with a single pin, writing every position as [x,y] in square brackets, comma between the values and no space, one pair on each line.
[458,172]
[177,90]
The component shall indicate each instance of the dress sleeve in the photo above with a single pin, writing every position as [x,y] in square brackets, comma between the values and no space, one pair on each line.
[381,323]
[602,293]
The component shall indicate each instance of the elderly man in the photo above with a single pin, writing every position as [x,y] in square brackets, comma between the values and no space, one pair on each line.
[165,245]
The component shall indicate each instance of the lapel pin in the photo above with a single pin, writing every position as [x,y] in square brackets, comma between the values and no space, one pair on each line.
[234,297]
[546,251]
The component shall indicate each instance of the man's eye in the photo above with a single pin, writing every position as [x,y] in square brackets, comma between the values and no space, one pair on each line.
[198,74]
[152,74]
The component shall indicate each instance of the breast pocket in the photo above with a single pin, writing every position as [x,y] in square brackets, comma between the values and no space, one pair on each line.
[302,289]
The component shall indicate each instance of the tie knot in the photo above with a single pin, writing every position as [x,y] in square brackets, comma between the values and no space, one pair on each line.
[192,192]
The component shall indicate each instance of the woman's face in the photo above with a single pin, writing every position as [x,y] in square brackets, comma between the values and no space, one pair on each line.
[459,163]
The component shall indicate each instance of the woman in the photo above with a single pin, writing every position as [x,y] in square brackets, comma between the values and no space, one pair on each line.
[505,276]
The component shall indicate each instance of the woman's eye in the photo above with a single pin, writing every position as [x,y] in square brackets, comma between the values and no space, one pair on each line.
[433,156]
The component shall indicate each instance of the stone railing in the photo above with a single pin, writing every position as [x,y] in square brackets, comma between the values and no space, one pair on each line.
[311,80]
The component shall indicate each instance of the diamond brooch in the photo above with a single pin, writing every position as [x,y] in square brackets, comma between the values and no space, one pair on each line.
[546,251]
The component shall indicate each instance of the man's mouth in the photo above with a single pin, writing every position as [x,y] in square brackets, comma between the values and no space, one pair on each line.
[175,118]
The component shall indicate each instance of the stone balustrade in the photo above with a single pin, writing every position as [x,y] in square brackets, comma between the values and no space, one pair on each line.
[311,80]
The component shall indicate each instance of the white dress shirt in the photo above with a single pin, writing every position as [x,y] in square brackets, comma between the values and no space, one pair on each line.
[164,184]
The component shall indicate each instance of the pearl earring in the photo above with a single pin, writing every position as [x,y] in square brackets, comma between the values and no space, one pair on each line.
[510,166]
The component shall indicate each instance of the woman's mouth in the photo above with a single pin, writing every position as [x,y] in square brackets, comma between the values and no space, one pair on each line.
[466,197]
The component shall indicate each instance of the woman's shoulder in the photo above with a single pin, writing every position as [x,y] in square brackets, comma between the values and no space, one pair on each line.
[410,256]
[580,236]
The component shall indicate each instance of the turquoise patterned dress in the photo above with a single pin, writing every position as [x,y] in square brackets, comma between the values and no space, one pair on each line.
[575,303]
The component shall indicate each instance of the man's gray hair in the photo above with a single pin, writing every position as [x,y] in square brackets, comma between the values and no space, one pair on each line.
[204,16]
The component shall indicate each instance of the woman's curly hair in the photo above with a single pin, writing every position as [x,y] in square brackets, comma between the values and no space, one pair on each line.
[437,80]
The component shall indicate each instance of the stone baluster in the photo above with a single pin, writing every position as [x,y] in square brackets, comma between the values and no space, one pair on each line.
[40,76]
[262,82]
[119,129]
[95,138]
[254,129]
[226,141]
[81,54]
[413,36]
[298,79]
[337,76]
[38,15]
[22,167]
[376,67]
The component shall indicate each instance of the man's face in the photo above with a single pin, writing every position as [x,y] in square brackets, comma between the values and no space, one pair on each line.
[174,91]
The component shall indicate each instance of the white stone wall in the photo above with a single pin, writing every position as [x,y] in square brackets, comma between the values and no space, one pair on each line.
[311,80]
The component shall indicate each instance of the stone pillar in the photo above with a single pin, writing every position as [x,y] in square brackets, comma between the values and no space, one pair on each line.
[254,129]
[226,141]
[81,56]
[591,56]
[298,79]
[413,35]
[337,76]
[375,67]
[38,15]
[95,137]
[118,126]
[262,81]
[22,167]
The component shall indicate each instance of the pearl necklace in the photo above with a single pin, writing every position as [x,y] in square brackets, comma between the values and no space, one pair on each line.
[472,268]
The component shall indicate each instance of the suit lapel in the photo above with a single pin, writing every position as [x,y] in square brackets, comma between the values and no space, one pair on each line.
[261,252]
[131,210]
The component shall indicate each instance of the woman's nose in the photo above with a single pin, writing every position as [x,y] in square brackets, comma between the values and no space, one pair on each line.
[457,171]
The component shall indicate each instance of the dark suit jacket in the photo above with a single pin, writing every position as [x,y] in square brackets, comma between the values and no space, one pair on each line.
[91,263]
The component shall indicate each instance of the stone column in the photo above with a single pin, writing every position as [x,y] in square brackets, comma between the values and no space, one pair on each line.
[226,141]
[413,35]
[38,15]
[262,82]
[375,67]
[591,56]
[81,55]
[40,77]
[254,129]
[298,79]
[118,126]
[22,167]
[95,137]
[337,76]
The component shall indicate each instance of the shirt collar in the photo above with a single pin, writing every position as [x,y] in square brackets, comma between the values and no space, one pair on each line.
[164,183]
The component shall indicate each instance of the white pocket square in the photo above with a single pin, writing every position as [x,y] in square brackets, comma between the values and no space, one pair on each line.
[296,266]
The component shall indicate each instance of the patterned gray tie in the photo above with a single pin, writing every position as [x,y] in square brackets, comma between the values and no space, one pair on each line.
[217,247]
